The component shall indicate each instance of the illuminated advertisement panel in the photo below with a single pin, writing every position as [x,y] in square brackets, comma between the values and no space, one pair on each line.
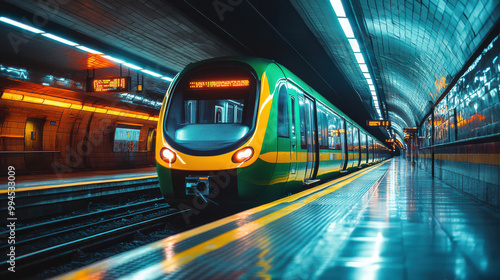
[126,139]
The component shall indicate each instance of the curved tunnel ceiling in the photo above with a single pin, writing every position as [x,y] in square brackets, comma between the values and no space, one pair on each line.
[415,48]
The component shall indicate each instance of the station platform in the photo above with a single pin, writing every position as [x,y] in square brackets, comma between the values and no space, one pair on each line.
[388,221]
[47,181]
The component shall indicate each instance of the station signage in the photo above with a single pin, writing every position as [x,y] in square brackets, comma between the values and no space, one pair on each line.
[410,130]
[114,84]
[378,123]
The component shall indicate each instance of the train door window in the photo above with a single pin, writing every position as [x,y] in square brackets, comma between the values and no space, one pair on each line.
[218,114]
[239,114]
[322,117]
[293,116]
[283,119]
[334,132]
[230,113]
[302,116]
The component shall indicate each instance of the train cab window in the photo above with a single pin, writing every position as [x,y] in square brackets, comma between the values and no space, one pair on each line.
[211,110]
[283,119]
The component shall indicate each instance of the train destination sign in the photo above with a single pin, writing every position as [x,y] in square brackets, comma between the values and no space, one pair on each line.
[378,123]
[115,84]
[219,84]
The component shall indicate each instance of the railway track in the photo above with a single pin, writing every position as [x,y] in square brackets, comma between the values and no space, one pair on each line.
[47,202]
[32,262]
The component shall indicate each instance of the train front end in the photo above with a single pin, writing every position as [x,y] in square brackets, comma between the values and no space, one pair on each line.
[210,135]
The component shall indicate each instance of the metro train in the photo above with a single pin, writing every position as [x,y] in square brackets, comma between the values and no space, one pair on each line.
[245,131]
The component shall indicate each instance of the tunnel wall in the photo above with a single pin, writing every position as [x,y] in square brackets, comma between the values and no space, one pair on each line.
[459,141]
[69,140]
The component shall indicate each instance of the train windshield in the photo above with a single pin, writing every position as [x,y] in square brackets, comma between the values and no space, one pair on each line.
[211,110]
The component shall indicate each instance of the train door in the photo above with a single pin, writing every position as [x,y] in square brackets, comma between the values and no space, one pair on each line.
[293,134]
[308,111]
[343,139]
[350,145]
[355,143]
[33,136]
[283,128]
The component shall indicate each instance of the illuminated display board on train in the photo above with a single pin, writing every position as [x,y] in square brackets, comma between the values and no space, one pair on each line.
[219,84]
[119,84]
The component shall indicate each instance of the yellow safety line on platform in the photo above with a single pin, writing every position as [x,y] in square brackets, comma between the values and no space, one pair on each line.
[17,190]
[186,256]
[98,268]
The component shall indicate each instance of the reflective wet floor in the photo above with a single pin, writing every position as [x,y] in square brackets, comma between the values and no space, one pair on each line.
[391,221]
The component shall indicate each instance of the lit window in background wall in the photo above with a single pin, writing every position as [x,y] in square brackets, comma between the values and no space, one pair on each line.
[346,27]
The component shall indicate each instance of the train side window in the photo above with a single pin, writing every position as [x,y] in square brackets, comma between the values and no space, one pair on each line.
[283,119]
[302,116]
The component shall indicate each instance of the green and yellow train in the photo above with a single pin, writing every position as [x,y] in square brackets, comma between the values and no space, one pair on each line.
[244,131]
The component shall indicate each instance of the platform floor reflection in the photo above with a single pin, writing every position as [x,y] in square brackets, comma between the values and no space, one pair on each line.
[392,221]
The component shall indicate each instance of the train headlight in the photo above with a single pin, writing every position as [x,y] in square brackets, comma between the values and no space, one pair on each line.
[167,155]
[243,155]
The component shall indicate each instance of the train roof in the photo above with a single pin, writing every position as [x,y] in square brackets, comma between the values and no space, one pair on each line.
[260,65]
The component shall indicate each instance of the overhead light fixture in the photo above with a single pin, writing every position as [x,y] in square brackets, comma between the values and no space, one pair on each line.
[369,81]
[114,59]
[338,8]
[367,75]
[372,87]
[346,26]
[359,57]
[151,73]
[132,66]
[363,67]
[21,25]
[354,45]
[80,47]
[89,50]
[59,39]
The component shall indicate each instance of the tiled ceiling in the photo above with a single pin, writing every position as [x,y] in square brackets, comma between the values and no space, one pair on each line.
[415,47]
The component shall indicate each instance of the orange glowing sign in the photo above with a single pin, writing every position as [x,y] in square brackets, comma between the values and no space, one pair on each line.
[378,123]
[219,84]
[119,84]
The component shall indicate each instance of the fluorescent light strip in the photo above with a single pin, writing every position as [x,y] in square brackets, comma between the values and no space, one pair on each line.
[372,87]
[151,73]
[83,48]
[338,8]
[346,26]
[367,75]
[59,39]
[89,50]
[114,59]
[369,81]
[354,45]
[132,66]
[21,25]
[359,57]
[363,67]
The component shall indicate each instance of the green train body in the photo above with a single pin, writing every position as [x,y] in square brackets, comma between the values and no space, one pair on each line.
[219,111]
